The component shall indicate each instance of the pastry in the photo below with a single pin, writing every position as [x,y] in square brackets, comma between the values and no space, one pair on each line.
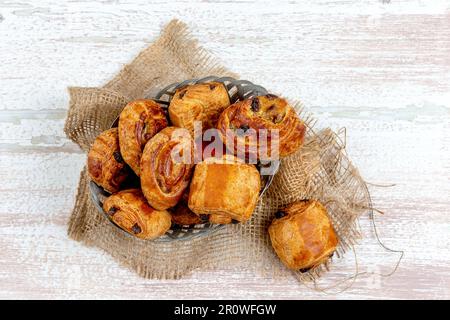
[166,167]
[225,188]
[302,235]
[105,164]
[138,122]
[199,102]
[240,124]
[182,215]
[220,219]
[130,211]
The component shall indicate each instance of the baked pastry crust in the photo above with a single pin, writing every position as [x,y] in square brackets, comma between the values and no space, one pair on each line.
[304,237]
[182,215]
[220,219]
[263,112]
[105,164]
[139,121]
[199,102]
[164,178]
[228,190]
[130,211]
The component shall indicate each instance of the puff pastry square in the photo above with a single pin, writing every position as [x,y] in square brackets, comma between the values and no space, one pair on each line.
[227,190]
[302,235]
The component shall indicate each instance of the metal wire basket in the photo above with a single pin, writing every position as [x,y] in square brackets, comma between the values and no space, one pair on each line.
[237,90]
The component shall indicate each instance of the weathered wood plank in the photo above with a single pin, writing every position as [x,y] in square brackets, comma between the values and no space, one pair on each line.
[379,69]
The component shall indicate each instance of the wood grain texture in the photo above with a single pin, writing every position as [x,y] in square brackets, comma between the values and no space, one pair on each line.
[379,69]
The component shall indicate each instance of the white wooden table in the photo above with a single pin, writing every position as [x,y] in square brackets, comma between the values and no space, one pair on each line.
[380,69]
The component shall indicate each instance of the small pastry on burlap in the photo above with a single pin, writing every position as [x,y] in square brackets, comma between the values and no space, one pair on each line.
[302,235]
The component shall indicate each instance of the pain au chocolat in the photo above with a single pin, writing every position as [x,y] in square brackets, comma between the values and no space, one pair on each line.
[138,122]
[199,102]
[105,164]
[240,126]
[225,188]
[130,211]
[166,167]
[302,235]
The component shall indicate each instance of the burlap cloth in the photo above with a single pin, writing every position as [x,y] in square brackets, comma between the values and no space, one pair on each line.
[320,170]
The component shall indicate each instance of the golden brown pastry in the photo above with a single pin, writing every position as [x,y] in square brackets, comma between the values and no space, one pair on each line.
[130,211]
[138,122]
[302,235]
[220,219]
[182,215]
[226,189]
[264,112]
[199,102]
[164,178]
[105,164]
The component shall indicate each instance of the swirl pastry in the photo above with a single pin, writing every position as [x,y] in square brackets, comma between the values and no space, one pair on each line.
[105,164]
[138,122]
[130,211]
[240,125]
[199,102]
[302,235]
[226,189]
[166,167]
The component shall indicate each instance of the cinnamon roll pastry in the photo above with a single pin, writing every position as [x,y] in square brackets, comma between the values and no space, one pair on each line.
[240,127]
[226,190]
[302,235]
[166,167]
[199,102]
[130,211]
[105,164]
[138,122]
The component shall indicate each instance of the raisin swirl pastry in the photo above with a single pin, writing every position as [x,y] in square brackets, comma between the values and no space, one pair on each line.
[199,102]
[302,235]
[138,122]
[130,211]
[166,167]
[225,190]
[263,112]
[105,164]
